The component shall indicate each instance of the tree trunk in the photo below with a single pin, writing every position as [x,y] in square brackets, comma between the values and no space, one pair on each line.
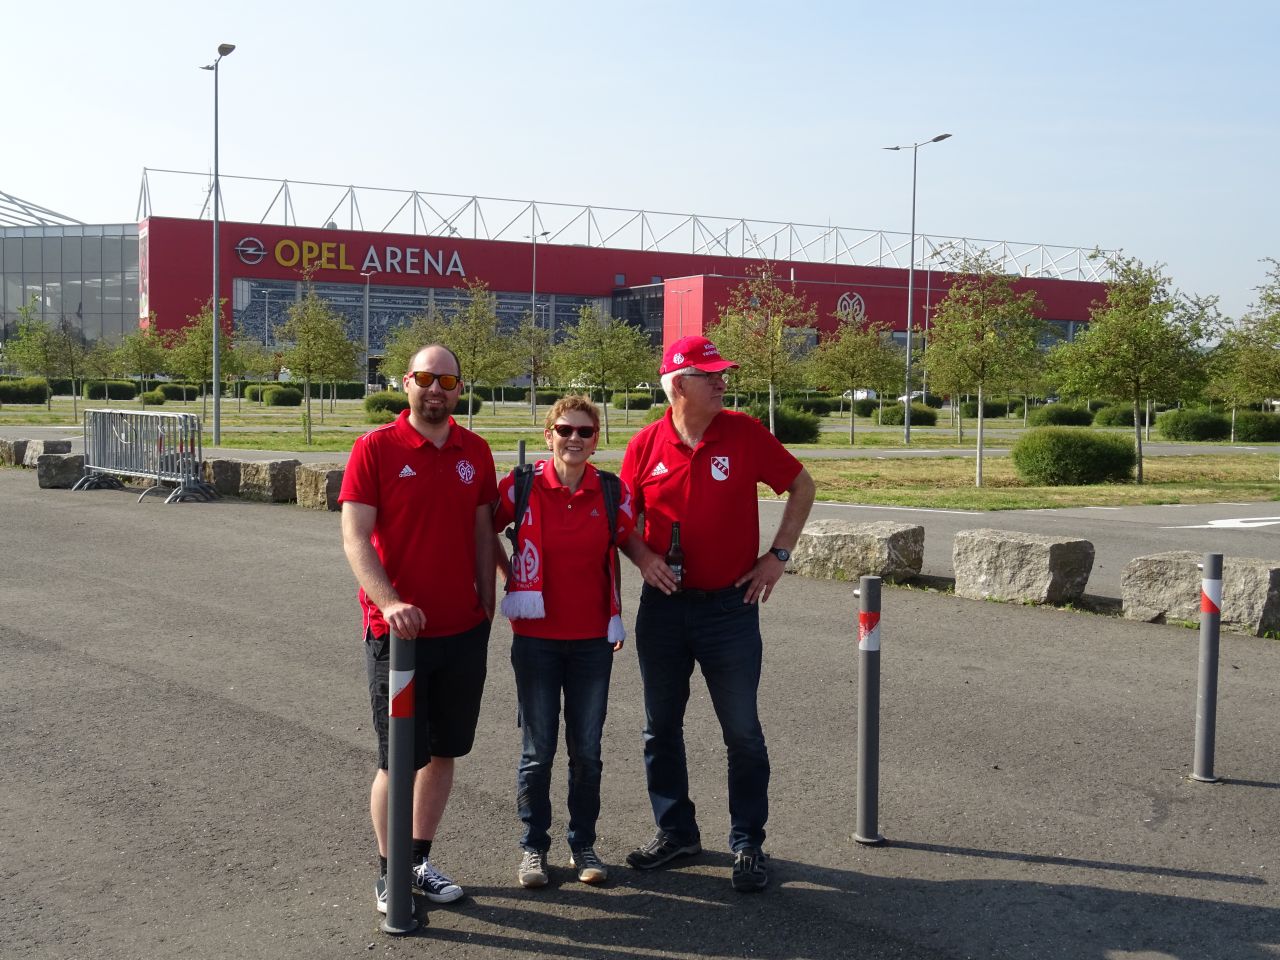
[1233,423]
[307,417]
[771,396]
[1137,435]
[1025,405]
[852,415]
[605,407]
[981,421]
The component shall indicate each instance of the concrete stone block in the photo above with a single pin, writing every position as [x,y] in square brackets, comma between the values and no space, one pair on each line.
[59,471]
[223,475]
[319,485]
[841,550]
[38,448]
[271,481]
[1166,586]
[1025,567]
[12,452]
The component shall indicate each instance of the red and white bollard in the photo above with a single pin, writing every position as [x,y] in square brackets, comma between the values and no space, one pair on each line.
[868,712]
[1207,683]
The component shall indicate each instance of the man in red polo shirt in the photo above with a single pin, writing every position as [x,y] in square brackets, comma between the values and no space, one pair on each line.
[699,466]
[417,507]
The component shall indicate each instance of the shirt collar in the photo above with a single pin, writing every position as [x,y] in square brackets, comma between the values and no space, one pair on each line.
[590,479]
[413,438]
[709,435]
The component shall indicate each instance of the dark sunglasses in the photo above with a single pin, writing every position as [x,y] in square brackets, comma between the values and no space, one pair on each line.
[566,431]
[424,379]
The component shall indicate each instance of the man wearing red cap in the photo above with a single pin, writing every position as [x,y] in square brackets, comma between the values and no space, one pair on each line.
[699,466]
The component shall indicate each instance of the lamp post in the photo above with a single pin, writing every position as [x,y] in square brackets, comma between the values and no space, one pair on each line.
[911,276]
[266,318]
[224,50]
[533,294]
[366,274]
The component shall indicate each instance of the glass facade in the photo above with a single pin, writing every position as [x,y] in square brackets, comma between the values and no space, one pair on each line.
[85,274]
[641,307]
[259,307]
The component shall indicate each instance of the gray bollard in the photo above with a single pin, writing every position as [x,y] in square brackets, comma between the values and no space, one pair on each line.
[868,712]
[520,452]
[400,776]
[1207,684]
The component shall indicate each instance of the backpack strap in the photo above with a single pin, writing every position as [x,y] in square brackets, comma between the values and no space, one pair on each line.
[524,489]
[611,487]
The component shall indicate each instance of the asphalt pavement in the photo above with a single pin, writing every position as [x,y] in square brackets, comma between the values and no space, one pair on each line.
[187,754]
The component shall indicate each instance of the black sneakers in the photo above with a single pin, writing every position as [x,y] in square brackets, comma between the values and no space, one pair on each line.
[749,872]
[660,851]
[431,883]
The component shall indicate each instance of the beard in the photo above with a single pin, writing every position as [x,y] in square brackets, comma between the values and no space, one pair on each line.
[434,414]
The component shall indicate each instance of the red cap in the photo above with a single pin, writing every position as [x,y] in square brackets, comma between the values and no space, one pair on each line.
[698,352]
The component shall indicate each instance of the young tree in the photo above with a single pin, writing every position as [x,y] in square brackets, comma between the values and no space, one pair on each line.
[191,351]
[142,353]
[315,333]
[258,362]
[1142,342]
[602,351]
[984,334]
[473,335]
[531,344]
[70,350]
[856,356]
[33,348]
[404,342]
[765,329]
[102,362]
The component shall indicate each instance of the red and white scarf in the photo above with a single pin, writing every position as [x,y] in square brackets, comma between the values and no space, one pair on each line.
[523,600]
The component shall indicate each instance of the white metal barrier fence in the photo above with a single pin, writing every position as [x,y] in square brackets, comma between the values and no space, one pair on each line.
[162,447]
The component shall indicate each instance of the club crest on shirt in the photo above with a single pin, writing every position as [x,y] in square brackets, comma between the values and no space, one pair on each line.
[720,468]
[466,472]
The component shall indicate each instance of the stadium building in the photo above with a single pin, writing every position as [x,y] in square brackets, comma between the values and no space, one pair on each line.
[399,253]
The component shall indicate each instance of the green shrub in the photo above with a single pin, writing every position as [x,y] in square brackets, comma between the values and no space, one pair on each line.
[932,400]
[656,413]
[1197,424]
[990,408]
[1059,415]
[61,386]
[921,416]
[385,402]
[1118,415]
[547,397]
[28,390]
[109,390]
[820,406]
[790,424]
[636,401]
[1063,456]
[468,403]
[179,391]
[865,408]
[1254,427]
[278,396]
[152,398]
[253,391]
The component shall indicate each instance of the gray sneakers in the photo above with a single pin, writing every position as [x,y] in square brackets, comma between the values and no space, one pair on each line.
[533,869]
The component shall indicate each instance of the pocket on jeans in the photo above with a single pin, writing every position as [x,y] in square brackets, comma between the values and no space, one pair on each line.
[379,646]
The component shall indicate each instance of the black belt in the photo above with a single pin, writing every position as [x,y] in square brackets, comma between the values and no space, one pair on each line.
[696,596]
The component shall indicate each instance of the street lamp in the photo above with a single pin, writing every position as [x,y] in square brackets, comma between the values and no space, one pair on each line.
[911,276]
[533,294]
[266,318]
[224,50]
[366,274]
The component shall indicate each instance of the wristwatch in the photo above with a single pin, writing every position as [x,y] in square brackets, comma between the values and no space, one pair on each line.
[781,554]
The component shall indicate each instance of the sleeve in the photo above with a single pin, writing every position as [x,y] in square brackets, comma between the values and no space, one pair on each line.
[631,460]
[777,467]
[506,503]
[487,489]
[360,479]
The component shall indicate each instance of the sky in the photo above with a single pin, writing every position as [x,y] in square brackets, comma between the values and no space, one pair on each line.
[1150,127]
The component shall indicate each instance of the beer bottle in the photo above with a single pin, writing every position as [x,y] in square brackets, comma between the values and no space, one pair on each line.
[675,556]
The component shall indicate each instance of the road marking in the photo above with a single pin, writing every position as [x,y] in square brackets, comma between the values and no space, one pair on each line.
[1230,523]
[1104,508]
[868,506]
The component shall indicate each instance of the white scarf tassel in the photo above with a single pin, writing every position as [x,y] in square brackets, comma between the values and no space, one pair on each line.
[523,605]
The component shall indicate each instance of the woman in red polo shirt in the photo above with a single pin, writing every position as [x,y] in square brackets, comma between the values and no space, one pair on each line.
[563,604]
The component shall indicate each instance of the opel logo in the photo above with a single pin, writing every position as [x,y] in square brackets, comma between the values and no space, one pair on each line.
[251,250]
[851,308]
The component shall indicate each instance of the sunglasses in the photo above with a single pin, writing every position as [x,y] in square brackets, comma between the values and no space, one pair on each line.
[719,375]
[566,431]
[424,379]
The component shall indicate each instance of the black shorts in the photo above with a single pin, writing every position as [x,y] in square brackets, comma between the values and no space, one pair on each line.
[448,682]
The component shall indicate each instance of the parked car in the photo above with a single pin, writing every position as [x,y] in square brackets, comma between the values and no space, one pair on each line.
[915,395]
[860,394]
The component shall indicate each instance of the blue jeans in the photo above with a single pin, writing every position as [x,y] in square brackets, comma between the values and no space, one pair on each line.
[722,635]
[544,668]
